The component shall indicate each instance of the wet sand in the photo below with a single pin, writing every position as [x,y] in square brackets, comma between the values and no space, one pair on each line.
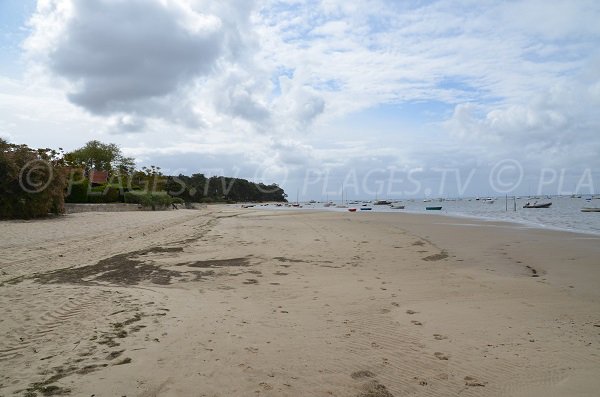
[232,302]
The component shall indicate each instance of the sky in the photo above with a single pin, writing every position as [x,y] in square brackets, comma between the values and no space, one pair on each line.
[371,98]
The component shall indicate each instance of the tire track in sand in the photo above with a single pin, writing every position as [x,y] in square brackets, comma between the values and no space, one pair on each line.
[27,336]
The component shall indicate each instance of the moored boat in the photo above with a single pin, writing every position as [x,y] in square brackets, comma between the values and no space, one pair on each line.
[433,208]
[366,208]
[382,202]
[352,209]
[590,209]
[536,205]
[397,207]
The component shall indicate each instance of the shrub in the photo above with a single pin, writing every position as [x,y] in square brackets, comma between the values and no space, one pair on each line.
[32,182]
[111,195]
[103,194]
[150,200]
[78,192]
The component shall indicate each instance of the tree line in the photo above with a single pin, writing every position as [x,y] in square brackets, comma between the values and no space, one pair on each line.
[36,182]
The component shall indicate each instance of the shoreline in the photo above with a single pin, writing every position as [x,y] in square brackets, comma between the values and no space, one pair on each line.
[529,224]
[517,222]
[225,301]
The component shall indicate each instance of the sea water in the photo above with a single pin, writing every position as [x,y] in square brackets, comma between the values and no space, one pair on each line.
[564,214]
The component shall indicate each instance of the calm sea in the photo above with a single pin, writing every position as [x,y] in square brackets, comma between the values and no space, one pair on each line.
[564,214]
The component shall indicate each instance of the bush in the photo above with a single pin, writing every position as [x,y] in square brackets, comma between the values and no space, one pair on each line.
[81,193]
[150,200]
[32,182]
[103,194]
[78,192]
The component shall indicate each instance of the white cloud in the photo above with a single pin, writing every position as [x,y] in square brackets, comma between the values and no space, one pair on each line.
[119,55]
[268,83]
[299,103]
[558,126]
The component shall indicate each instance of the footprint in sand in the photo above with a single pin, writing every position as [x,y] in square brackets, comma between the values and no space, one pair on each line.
[471,382]
[126,360]
[415,322]
[362,374]
[422,381]
[114,354]
[375,389]
[436,257]
[441,356]
[439,337]
[411,312]
[265,386]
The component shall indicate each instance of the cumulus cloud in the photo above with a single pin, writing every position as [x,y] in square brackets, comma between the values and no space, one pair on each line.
[188,62]
[141,58]
[240,93]
[280,67]
[299,103]
[292,153]
[127,123]
[557,126]
[278,77]
[118,54]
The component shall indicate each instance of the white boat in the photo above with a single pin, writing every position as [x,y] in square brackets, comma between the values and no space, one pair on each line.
[536,205]
[590,209]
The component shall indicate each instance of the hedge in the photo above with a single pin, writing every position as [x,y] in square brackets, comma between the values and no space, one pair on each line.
[77,192]
[154,200]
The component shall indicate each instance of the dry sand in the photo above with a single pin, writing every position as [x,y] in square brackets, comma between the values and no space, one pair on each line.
[231,302]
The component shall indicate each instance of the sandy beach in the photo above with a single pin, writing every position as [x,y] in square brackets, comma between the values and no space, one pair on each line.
[244,302]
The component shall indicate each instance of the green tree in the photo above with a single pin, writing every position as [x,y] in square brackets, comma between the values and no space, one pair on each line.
[101,156]
[32,182]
